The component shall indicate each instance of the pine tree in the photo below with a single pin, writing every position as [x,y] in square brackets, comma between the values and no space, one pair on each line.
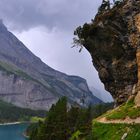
[57,121]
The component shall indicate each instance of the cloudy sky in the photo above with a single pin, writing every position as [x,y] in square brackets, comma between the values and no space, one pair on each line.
[46,27]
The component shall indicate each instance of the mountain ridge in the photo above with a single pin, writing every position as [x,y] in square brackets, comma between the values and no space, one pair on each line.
[35,85]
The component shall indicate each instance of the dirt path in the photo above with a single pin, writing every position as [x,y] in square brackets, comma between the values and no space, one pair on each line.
[127,120]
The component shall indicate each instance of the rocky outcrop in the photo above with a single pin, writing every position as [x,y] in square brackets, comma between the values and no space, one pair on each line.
[113,40]
[26,81]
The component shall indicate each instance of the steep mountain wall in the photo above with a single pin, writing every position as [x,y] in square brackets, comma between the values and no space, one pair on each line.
[113,40]
[28,82]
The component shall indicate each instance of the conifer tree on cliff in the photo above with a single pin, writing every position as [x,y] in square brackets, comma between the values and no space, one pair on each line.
[104,6]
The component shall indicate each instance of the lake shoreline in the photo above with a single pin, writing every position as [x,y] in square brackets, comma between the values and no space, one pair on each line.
[25,135]
[13,123]
[10,123]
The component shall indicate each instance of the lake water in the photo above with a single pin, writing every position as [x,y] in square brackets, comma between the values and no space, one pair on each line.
[12,132]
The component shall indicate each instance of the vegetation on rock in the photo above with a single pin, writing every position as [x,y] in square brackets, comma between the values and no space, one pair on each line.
[125,110]
[112,40]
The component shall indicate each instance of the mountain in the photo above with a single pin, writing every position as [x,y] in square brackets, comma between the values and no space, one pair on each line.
[113,40]
[26,81]
[102,95]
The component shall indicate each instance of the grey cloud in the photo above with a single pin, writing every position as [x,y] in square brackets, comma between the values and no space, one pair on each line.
[66,14]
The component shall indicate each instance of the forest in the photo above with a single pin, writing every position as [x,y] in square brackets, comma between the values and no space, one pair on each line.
[64,122]
[11,113]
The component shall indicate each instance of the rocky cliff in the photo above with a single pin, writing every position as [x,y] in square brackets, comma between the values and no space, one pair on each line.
[27,82]
[113,40]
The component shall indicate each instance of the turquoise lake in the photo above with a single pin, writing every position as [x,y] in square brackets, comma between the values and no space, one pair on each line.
[12,132]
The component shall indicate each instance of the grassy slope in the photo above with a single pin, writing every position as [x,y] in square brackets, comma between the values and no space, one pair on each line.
[126,110]
[115,131]
[111,131]
[12,69]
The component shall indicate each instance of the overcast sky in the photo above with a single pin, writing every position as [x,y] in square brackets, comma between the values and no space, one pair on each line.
[46,27]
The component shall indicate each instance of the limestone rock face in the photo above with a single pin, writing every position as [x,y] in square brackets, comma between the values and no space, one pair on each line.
[26,81]
[113,40]
[137,99]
